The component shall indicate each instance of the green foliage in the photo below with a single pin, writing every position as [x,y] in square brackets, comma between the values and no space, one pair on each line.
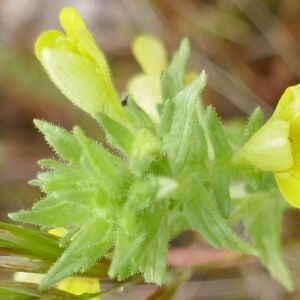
[164,180]
[265,230]
[138,117]
[220,169]
[254,123]
[180,125]
[29,291]
[201,213]
[34,250]
[117,135]
[172,81]
[23,241]
[92,241]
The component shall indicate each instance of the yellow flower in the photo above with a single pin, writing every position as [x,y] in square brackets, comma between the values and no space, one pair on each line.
[59,231]
[78,286]
[73,285]
[276,146]
[78,67]
[151,54]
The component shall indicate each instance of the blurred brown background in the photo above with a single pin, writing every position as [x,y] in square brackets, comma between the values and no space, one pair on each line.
[250,49]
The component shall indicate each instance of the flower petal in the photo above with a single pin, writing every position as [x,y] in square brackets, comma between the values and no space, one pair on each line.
[78,33]
[151,54]
[288,106]
[48,39]
[71,22]
[295,135]
[289,186]
[145,91]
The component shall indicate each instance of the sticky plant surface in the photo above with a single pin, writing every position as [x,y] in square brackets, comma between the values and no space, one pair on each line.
[172,169]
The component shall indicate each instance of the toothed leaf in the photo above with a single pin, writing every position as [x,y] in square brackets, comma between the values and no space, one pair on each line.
[265,231]
[152,255]
[61,214]
[92,242]
[221,174]
[63,143]
[172,80]
[218,137]
[123,265]
[178,141]
[254,123]
[117,135]
[137,115]
[202,215]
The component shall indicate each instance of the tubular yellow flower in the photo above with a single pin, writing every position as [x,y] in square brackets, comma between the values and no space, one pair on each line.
[276,146]
[145,87]
[150,52]
[78,67]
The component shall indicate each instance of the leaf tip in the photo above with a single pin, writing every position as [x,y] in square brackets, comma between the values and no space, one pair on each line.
[15,216]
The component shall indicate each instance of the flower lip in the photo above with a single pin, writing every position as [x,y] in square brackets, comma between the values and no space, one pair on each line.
[288,106]
[276,146]
[71,22]
[48,39]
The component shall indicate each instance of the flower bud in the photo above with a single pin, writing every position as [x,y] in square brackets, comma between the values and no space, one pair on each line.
[276,146]
[78,68]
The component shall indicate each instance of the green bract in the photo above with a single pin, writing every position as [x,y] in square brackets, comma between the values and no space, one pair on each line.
[169,176]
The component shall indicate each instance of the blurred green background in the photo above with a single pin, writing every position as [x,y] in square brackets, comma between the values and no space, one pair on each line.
[250,50]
